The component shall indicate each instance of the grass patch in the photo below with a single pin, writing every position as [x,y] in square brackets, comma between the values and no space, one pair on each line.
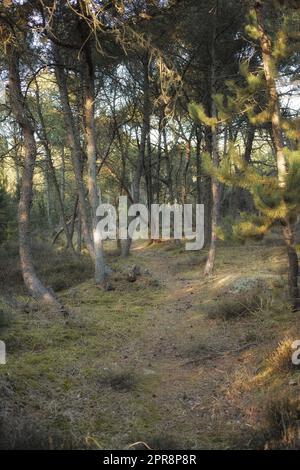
[119,380]
[5,314]
[280,360]
[161,441]
[235,305]
[58,268]
[282,420]
[24,432]
[115,373]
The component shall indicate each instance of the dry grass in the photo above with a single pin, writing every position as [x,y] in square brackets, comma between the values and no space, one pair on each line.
[281,359]
[282,421]
[235,306]
[120,380]
[59,269]
[143,363]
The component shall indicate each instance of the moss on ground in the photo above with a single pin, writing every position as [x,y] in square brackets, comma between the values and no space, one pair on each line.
[144,362]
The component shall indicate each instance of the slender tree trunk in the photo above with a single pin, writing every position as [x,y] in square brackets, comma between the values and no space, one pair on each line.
[168,167]
[63,175]
[74,215]
[17,151]
[241,198]
[215,195]
[266,47]
[79,235]
[126,244]
[91,151]
[148,172]
[288,230]
[19,109]
[198,166]
[144,132]
[74,142]
[158,163]
[51,169]
[206,191]
[249,142]
[185,170]
[147,159]
[215,187]
[289,238]
[48,197]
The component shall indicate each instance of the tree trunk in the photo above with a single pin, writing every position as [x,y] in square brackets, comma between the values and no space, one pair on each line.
[158,163]
[241,199]
[266,47]
[168,167]
[50,167]
[185,188]
[48,197]
[79,235]
[215,196]
[126,244]
[289,238]
[288,230]
[74,142]
[198,165]
[215,187]
[19,109]
[91,151]
[144,132]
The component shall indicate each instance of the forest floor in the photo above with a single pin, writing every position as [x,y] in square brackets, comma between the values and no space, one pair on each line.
[163,360]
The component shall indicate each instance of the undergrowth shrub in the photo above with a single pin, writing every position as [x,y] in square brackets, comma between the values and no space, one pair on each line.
[24,432]
[235,305]
[281,359]
[59,269]
[282,421]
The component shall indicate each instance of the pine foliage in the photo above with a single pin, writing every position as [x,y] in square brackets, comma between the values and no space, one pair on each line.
[248,97]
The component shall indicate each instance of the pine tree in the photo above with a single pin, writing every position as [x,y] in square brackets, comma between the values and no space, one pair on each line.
[276,198]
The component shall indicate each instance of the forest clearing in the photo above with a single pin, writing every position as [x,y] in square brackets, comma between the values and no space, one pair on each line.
[150,362]
[149,228]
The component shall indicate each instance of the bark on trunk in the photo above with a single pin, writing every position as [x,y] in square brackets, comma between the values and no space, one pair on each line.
[185,187]
[168,167]
[289,238]
[215,187]
[144,133]
[215,195]
[126,244]
[51,169]
[266,47]
[241,199]
[19,109]
[74,142]
[288,230]
[158,163]
[198,165]
[91,151]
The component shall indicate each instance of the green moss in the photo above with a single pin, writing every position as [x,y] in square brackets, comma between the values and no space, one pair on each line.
[84,382]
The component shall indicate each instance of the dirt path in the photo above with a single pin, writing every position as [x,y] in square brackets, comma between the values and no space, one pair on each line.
[143,362]
[197,360]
